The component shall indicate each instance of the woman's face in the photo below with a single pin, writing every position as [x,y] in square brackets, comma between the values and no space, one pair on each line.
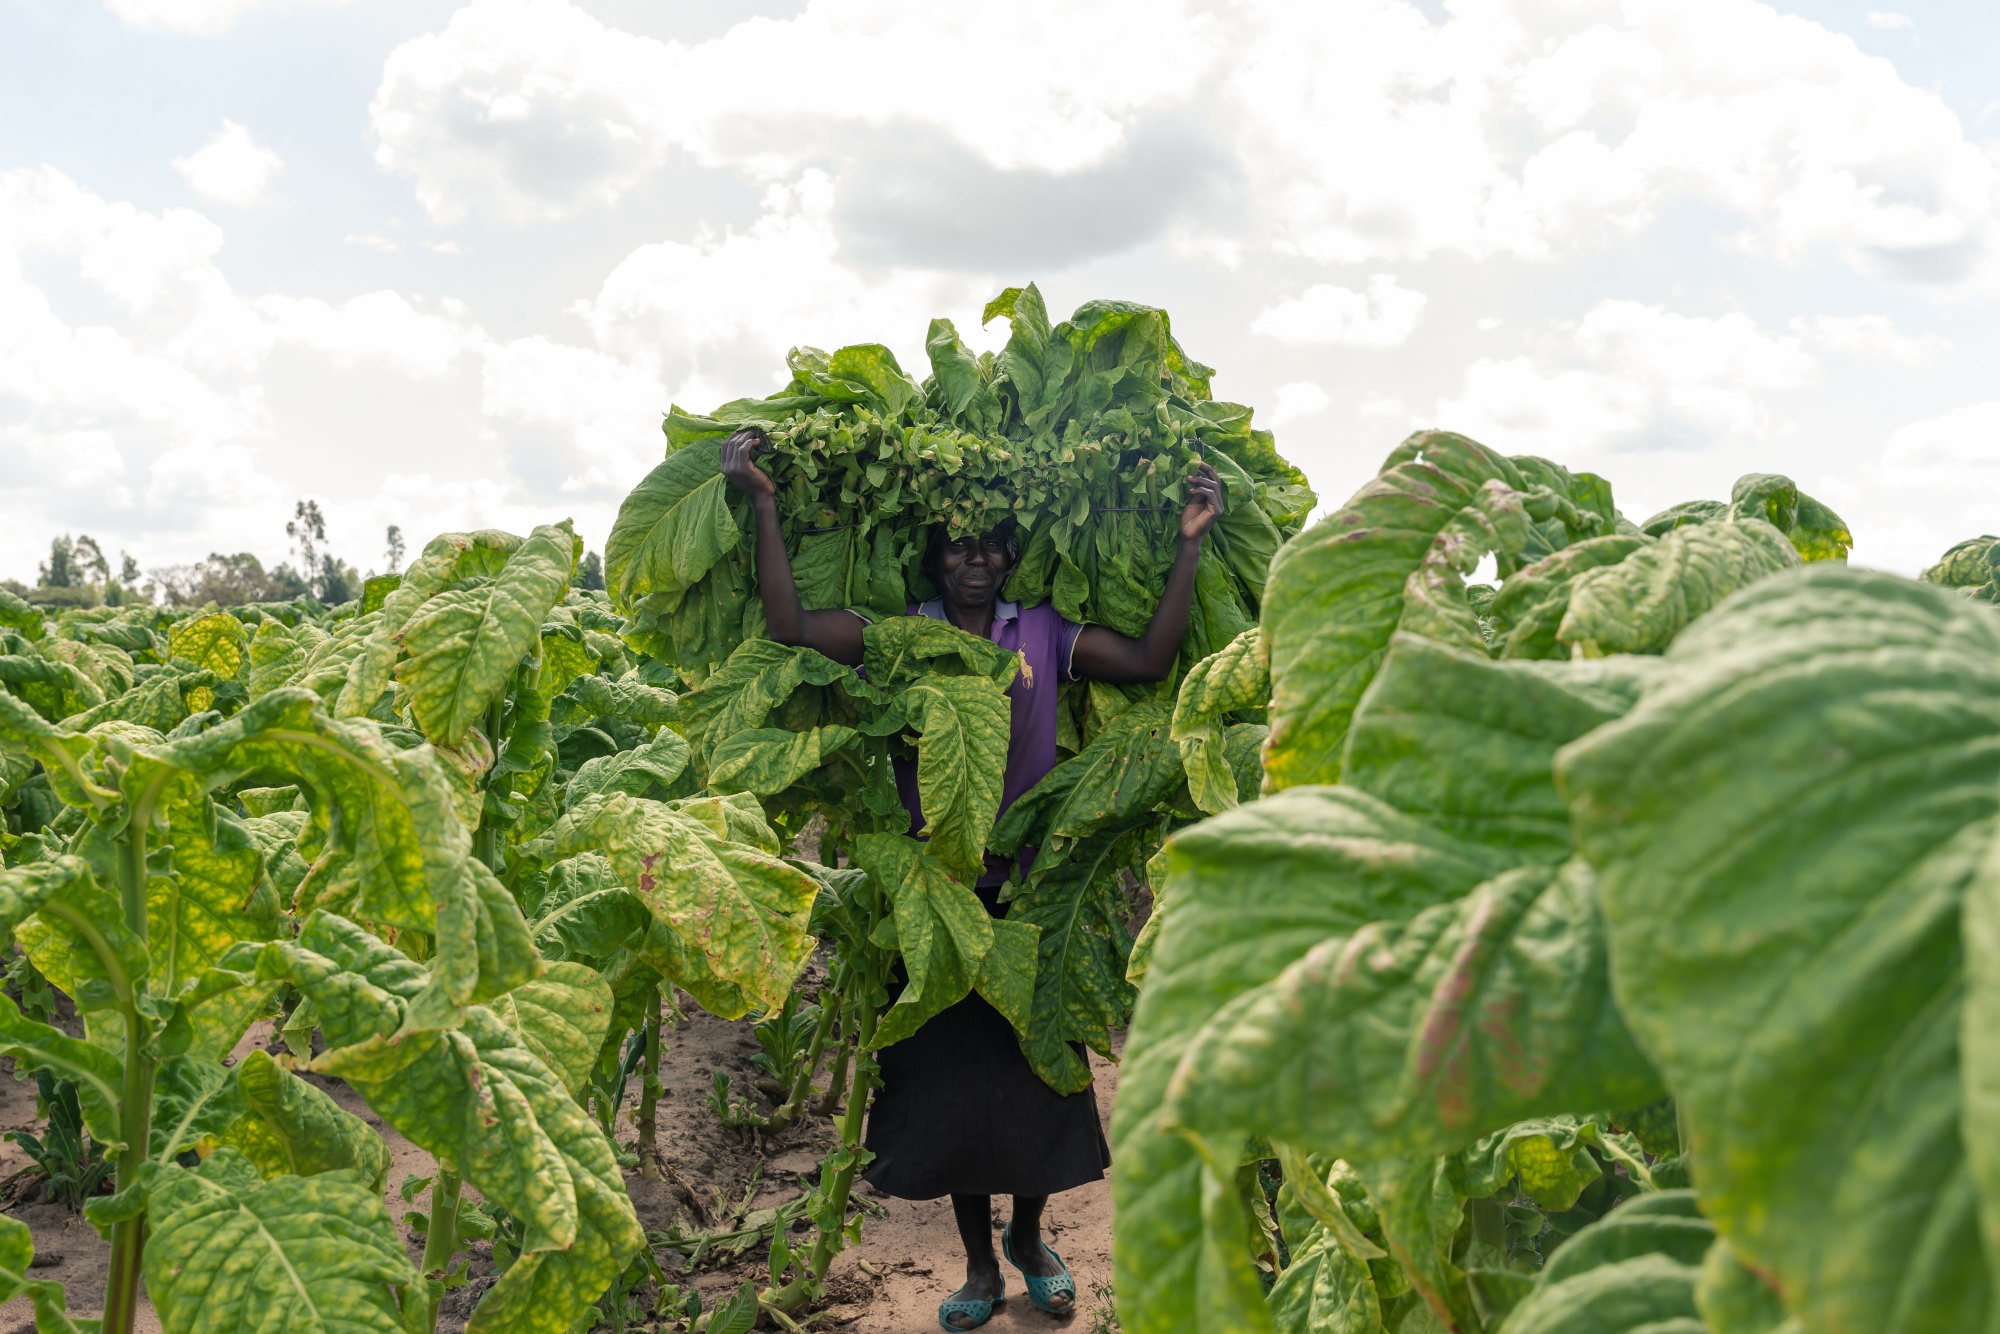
[972,569]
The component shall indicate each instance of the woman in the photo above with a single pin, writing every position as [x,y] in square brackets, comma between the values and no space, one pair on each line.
[960,1112]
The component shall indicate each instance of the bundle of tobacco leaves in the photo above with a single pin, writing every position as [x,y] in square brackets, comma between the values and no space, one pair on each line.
[1082,435]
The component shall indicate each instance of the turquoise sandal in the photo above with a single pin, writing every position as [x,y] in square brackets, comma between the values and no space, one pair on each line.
[1040,1289]
[980,1311]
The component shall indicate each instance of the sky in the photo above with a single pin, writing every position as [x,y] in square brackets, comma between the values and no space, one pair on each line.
[444,265]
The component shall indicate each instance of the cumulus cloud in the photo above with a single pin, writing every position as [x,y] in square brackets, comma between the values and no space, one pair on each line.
[710,315]
[529,109]
[155,419]
[1887,18]
[1328,316]
[1540,129]
[1633,377]
[231,168]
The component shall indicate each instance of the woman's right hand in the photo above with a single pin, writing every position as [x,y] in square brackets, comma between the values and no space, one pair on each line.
[743,474]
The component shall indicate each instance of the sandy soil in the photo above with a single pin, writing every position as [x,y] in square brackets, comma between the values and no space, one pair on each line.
[912,1247]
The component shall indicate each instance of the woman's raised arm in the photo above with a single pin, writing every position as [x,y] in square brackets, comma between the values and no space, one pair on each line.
[1103,654]
[837,634]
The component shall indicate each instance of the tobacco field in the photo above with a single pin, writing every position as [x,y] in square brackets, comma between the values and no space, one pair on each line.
[1558,923]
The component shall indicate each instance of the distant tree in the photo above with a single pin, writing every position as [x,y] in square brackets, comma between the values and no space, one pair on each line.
[590,572]
[227,581]
[395,548]
[325,576]
[123,589]
[338,581]
[73,563]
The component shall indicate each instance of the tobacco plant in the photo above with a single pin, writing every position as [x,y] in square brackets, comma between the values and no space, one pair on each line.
[207,813]
[1650,868]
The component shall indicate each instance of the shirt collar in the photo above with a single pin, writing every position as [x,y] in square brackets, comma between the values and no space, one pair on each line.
[1003,610]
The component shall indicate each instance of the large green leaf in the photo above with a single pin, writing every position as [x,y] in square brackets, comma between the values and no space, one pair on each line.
[1531,604]
[1337,594]
[561,1017]
[96,1073]
[290,1126]
[672,528]
[1786,828]
[1080,991]
[737,913]
[463,645]
[964,727]
[393,847]
[767,760]
[478,1099]
[942,929]
[226,1249]
[635,771]
[1238,677]
[215,896]
[1469,743]
[1252,891]
[67,923]
[1639,604]
[1408,1040]
[899,649]
[446,558]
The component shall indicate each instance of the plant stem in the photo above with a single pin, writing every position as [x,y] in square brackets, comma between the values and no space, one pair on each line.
[828,1242]
[486,839]
[649,1093]
[441,1236]
[795,1097]
[135,1111]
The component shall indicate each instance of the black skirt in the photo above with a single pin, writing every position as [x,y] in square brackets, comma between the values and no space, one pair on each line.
[961,1112]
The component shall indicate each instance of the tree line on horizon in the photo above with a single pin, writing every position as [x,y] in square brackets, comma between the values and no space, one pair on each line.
[77,573]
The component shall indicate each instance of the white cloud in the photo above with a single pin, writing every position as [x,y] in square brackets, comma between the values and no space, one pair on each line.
[1298,400]
[711,316]
[231,168]
[380,327]
[1540,129]
[1883,18]
[1868,338]
[529,109]
[189,16]
[1328,316]
[592,421]
[1960,449]
[1633,376]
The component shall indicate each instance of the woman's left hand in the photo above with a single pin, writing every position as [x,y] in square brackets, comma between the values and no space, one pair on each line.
[1205,502]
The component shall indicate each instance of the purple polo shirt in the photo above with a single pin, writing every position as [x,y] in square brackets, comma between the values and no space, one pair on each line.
[1045,641]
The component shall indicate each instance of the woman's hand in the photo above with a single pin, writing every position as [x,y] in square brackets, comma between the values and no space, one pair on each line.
[746,476]
[1204,505]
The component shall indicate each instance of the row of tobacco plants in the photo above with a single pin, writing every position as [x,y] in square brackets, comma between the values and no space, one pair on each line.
[1613,947]
[443,837]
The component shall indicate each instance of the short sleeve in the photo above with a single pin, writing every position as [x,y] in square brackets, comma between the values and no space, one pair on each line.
[1066,634]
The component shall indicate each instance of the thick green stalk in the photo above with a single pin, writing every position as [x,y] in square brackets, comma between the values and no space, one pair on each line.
[441,1235]
[135,1111]
[650,1090]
